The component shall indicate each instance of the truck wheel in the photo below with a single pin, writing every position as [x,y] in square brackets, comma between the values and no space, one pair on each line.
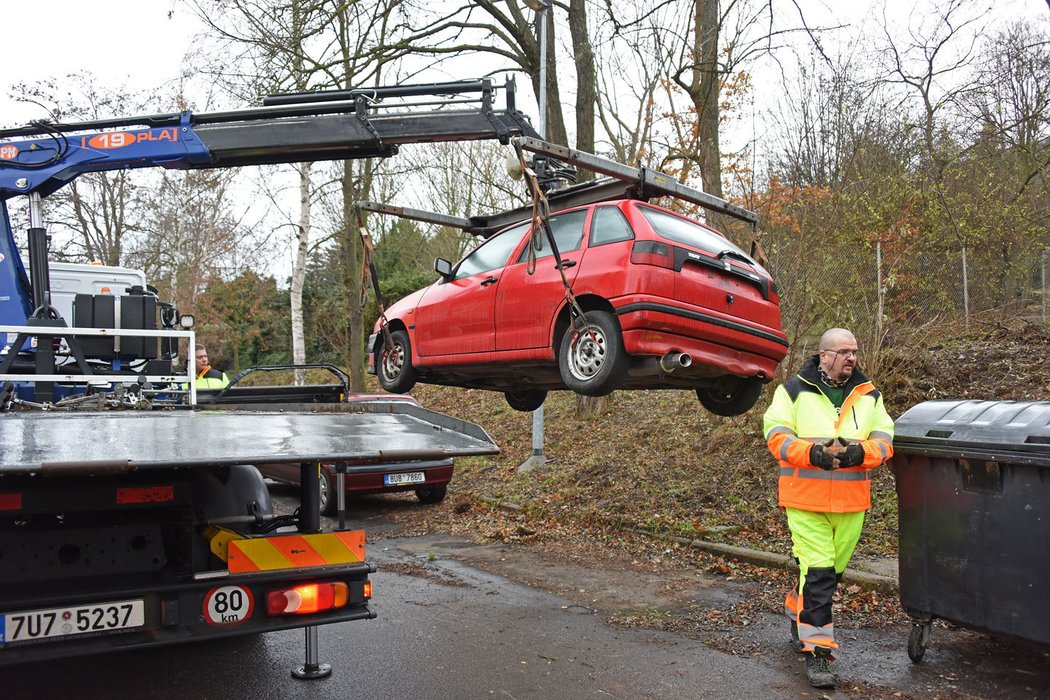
[394,366]
[431,493]
[526,400]
[731,397]
[594,362]
[920,634]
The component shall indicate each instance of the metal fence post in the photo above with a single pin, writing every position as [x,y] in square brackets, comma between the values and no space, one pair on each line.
[966,288]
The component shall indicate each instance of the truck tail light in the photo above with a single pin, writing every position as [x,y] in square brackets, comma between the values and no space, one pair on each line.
[368,590]
[308,598]
[652,253]
[145,494]
[10,501]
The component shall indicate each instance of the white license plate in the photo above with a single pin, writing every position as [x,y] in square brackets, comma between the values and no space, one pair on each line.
[407,478]
[30,625]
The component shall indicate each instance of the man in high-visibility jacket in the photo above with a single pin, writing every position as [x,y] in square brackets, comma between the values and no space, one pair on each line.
[207,376]
[828,428]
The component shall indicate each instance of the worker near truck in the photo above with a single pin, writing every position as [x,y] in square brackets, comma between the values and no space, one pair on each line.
[207,376]
[828,428]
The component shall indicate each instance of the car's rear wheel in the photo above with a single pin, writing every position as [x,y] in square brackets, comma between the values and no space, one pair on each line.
[594,362]
[431,493]
[394,365]
[731,397]
[329,498]
[526,400]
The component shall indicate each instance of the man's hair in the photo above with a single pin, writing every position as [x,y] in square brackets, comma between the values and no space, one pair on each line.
[200,347]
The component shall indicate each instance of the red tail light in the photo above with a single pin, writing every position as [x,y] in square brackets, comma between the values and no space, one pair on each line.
[10,501]
[307,598]
[652,253]
[146,494]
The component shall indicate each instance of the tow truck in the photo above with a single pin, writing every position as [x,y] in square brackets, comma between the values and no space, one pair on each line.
[131,510]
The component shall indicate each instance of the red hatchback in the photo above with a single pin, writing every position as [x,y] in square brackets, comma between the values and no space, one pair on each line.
[669,303]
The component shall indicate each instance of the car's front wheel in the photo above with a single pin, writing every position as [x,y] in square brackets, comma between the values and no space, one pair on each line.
[731,397]
[594,362]
[431,493]
[394,364]
[525,400]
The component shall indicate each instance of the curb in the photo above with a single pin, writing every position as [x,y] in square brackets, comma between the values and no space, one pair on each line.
[757,557]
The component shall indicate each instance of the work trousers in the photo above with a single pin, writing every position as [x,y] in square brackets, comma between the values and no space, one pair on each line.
[823,544]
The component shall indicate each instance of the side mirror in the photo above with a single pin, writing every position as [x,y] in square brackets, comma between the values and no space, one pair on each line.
[443,267]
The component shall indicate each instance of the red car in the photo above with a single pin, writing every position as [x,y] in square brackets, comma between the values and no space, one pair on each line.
[428,478]
[669,303]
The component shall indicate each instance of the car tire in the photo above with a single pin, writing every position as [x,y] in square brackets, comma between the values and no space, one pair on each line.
[431,493]
[329,498]
[394,366]
[526,399]
[732,397]
[596,363]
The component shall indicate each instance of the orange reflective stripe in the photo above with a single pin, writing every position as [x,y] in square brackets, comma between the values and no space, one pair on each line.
[295,551]
[792,605]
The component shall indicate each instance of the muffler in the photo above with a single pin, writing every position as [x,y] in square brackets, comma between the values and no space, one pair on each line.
[668,364]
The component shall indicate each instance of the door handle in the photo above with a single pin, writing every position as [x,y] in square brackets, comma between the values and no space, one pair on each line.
[564,264]
[489,280]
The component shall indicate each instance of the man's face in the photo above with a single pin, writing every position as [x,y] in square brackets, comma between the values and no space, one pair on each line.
[840,359]
[202,360]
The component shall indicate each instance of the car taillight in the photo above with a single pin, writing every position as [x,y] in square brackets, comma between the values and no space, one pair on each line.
[10,501]
[652,253]
[307,598]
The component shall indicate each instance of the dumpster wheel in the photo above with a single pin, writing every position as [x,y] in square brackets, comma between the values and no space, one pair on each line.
[920,634]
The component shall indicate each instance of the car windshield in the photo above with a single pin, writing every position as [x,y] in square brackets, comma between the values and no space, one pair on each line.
[682,230]
[492,254]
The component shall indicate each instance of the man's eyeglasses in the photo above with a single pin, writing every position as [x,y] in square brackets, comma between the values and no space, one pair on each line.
[844,353]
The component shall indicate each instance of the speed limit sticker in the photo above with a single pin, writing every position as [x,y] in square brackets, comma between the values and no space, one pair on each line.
[228,605]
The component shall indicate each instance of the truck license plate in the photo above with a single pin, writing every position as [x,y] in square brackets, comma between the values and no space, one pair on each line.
[30,625]
[407,478]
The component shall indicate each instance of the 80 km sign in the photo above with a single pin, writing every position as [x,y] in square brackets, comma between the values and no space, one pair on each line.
[228,605]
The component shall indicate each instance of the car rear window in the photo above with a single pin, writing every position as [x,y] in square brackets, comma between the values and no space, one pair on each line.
[609,225]
[492,254]
[568,234]
[684,231]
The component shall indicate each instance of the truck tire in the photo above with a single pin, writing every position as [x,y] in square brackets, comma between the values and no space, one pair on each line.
[394,366]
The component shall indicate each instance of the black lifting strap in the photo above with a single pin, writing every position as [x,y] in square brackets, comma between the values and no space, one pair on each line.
[541,227]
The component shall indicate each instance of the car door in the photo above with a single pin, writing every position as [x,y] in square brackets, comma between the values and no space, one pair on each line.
[456,316]
[526,303]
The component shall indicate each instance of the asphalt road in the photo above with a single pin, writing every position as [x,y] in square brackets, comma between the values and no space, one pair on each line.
[463,620]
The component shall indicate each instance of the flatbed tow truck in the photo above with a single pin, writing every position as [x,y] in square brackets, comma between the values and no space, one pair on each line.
[131,511]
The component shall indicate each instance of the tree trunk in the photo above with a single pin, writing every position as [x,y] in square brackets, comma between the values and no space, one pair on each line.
[586,93]
[704,92]
[299,272]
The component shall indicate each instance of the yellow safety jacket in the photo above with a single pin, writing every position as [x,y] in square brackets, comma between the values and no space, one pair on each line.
[802,414]
[212,379]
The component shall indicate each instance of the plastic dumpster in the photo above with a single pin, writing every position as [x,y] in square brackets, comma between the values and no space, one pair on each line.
[973,490]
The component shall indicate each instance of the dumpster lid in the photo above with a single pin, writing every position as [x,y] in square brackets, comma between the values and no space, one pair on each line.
[1013,431]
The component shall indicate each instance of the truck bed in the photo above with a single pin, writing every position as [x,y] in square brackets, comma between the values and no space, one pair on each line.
[78,443]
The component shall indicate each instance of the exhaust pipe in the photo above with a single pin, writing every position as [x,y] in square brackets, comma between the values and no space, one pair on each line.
[675,360]
[669,363]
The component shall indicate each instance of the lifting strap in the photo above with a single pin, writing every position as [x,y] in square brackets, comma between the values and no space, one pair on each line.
[368,270]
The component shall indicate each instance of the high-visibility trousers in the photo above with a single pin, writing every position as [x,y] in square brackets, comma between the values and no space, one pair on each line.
[823,544]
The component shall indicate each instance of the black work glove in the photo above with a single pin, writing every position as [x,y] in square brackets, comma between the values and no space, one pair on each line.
[819,457]
[852,456]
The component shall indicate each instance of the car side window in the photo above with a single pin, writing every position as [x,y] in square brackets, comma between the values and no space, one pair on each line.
[490,255]
[609,225]
[568,234]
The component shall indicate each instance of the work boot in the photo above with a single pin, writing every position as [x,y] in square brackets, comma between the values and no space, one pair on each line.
[818,668]
[796,643]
